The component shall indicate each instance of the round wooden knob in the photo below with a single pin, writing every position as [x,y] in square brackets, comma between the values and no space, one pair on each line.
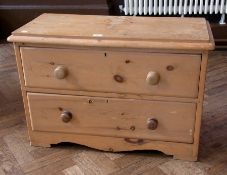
[153,78]
[66,116]
[60,72]
[152,123]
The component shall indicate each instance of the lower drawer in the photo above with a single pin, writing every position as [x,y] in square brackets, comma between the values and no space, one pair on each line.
[128,118]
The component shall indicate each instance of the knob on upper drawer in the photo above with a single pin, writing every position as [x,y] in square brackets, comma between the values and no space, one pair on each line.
[153,78]
[60,72]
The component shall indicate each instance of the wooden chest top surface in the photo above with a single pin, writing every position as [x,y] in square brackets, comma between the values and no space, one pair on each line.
[151,30]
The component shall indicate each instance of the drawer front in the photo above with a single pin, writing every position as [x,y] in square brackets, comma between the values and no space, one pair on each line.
[127,118]
[117,72]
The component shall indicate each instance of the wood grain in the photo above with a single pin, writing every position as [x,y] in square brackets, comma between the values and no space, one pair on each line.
[101,122]
[110,27]
[181,81]
[68,159]
[37,140]
[109,31]
[126,118]
[114,72]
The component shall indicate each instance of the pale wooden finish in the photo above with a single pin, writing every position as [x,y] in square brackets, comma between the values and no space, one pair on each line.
[107,27]
[112,144]
[199,110]
[157,45]
[110,95]
[19,158]
[113,117]
[153,78]
[189,54]
[83,75]
[105,48]
[24,93]
[60,72]
[116,32]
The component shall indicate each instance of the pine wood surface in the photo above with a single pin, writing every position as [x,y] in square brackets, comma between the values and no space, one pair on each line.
[56,25]
[18,157]
[116,31]
[40,63]
[113,117]
[179,150]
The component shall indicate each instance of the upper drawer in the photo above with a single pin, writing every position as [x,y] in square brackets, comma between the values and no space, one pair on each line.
[112,71]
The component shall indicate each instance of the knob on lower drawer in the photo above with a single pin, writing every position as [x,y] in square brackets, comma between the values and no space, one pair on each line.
[153,78]
[66,116]
[152,123]
[60,72]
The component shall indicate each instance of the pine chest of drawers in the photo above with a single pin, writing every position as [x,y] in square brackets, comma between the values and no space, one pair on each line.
[114,83]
